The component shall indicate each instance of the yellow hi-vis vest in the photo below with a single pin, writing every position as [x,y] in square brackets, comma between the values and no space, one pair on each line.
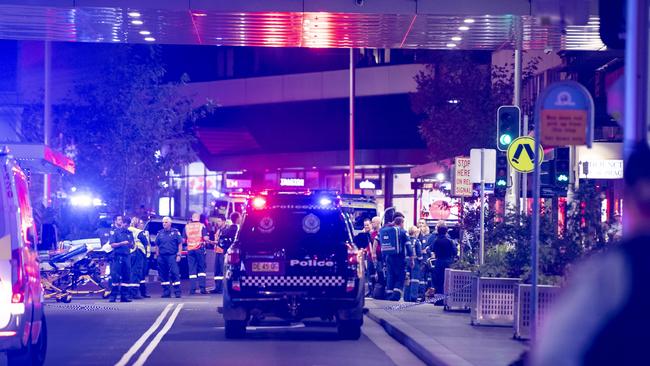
[193,231]
[138,244]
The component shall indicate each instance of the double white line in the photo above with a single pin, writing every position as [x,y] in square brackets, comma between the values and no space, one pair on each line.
[154,342]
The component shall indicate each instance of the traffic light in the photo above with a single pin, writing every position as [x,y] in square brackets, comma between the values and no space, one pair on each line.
[508,121]
[501,180]
[562,170]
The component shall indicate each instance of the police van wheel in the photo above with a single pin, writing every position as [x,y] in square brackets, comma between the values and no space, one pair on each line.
[235,329]
[67,299]
[349,329]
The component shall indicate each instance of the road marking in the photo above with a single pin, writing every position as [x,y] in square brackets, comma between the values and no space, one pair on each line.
[136,346]
[154,342]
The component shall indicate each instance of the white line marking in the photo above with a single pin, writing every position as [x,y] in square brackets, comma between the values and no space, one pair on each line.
[154,342]
[136,346]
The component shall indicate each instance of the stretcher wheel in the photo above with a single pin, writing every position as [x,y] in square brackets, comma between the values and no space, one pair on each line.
[66,299]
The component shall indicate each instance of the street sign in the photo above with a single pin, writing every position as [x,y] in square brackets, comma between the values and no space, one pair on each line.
[566,114]
[521,155]
[489,165]
[461,185]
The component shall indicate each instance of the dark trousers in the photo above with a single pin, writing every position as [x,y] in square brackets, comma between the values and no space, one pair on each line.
[196,264]
[395,276]
[415,282]
[439,274]
[169,275]
[138,262]
[218,272]
[120,275]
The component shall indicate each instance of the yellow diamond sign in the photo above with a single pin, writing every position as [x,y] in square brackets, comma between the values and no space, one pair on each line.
[521,155]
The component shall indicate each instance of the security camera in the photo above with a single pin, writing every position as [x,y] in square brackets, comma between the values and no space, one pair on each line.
[359,2]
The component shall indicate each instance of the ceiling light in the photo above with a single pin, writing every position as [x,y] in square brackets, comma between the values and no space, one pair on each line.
[451,45]
[146,32]
[200,14]
[463,28]
[456,39]
[149,39]
[137,22]
[134,14]
[469,20]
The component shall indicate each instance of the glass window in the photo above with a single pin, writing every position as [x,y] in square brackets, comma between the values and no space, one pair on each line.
[27,226]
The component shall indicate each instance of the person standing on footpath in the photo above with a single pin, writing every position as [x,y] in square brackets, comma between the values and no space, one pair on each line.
[121,242]
[169,244]
[197,236]
[445,251]
[396,249]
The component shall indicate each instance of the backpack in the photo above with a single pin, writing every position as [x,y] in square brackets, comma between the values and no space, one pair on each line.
[389,240]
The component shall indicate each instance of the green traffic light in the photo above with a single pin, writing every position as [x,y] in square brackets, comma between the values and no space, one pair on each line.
[562,178]
[501,182]
[505,139]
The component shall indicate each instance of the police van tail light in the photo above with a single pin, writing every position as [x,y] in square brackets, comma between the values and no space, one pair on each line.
[233,255]
[19,278]
[236,286]
[353,255]
[350,286]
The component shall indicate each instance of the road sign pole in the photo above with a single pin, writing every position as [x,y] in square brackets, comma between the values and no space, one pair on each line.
[534,237]
[524,177]
[482,247]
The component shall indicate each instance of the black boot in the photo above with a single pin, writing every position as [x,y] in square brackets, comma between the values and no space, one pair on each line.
[177,291]
[166,292]
[113,296]
[143,291]
[135,293]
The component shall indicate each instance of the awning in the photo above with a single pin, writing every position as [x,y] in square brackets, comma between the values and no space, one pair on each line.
[40,158]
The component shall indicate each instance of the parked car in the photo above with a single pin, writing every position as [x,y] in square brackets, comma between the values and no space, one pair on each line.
[23,329]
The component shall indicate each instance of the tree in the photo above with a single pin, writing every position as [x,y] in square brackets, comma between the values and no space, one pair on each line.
[126,127]
[458,96]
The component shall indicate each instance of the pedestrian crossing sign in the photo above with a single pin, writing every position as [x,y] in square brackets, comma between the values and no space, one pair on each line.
[521,156]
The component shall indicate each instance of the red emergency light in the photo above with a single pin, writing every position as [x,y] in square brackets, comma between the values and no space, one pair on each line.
[259,202]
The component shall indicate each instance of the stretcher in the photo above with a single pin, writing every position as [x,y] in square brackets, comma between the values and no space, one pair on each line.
[80,267]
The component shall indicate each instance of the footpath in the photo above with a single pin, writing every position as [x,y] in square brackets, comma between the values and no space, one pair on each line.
[438,337]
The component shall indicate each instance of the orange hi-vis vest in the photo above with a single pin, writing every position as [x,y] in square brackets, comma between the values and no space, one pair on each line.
[193,230]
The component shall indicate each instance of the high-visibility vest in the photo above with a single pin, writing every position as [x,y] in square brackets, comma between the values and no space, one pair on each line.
[138,244]
[194,231]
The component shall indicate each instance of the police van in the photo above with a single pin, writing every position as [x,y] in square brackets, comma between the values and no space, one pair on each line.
[360,208]
[294,258]
[23,333]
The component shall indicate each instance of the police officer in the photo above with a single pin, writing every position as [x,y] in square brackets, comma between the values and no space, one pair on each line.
[121,241]
[145,267]
[196,235]
[138,259]
[169,244]
[220,227]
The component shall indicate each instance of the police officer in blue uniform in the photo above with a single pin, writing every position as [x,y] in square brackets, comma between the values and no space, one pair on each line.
[121,242]
[169,244]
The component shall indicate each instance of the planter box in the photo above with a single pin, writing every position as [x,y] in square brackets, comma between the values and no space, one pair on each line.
[458,289]
[493,301]
[546,297]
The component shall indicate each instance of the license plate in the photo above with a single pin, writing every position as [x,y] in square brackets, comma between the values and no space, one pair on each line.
[266,267]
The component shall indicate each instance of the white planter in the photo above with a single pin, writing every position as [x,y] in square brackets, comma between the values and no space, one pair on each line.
[458,289]
[545,299]
[493,301]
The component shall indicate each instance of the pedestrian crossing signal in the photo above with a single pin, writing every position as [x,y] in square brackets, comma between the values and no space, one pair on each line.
[508,121]
[501,177]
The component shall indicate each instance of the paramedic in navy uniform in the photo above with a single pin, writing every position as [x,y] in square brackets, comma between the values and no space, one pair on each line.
[121,241]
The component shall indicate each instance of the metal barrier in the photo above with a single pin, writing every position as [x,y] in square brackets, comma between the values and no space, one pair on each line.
[458,289]
[493,301]
[546,298]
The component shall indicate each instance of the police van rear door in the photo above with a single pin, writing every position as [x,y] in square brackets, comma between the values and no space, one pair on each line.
[295,242]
